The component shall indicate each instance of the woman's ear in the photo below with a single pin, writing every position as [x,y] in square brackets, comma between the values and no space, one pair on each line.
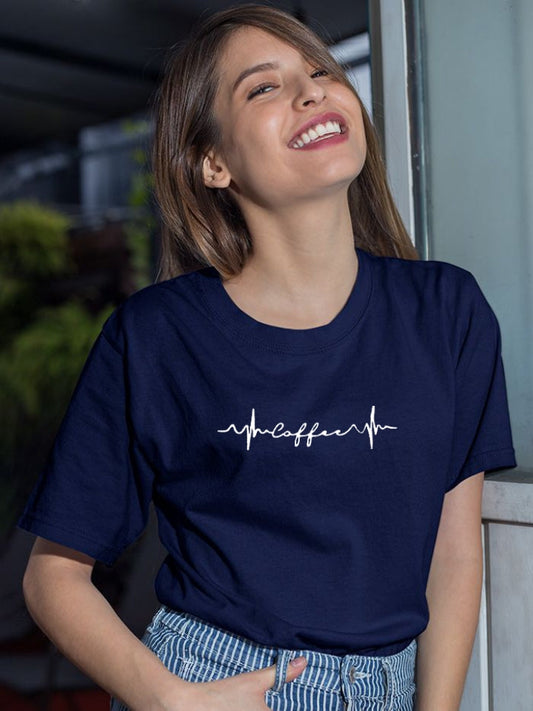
[215,171]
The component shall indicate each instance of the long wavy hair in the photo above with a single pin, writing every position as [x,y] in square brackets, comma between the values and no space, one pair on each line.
[204,226]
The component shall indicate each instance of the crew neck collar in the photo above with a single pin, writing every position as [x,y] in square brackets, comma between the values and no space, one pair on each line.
[277,338]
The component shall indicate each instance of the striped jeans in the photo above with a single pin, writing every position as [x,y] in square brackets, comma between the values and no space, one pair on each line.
[198,651]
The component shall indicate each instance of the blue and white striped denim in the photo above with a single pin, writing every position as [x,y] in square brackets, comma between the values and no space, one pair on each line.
[198,651]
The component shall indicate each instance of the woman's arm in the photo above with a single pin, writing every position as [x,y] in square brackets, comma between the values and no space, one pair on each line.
[68,608]
[84,627]
[454,595]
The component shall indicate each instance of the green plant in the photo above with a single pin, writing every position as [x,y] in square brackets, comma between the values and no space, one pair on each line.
[42,347]
[33,249]
[33,240]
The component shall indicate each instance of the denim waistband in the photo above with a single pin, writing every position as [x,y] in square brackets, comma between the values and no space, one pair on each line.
[323,670]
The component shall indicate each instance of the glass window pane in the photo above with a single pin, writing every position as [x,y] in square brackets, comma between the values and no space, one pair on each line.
[478,63]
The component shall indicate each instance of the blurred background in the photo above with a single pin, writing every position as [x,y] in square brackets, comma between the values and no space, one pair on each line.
[449,87]
[79,234]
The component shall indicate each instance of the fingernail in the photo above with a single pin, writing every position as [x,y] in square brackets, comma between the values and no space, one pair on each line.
[298,662]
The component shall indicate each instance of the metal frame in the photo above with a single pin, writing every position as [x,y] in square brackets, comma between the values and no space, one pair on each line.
[398,92]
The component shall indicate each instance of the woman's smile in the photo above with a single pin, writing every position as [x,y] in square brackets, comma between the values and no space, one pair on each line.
[320,129]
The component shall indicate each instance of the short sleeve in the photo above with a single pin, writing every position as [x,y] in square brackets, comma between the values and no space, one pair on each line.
[89,496]
[482,439]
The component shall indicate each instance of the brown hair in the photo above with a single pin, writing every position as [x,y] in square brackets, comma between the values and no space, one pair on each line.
[204,226]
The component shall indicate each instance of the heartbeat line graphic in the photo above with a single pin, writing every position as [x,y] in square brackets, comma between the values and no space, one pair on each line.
[278,431]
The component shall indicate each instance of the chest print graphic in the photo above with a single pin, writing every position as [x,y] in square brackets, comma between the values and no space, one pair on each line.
[371,428]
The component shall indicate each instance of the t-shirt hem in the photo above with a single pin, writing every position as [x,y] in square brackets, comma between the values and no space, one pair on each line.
[169,610]
[69,538]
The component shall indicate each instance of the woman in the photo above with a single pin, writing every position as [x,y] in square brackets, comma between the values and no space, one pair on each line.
[311,420]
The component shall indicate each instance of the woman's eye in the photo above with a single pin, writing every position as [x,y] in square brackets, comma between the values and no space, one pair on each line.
[264,88]
[259,90]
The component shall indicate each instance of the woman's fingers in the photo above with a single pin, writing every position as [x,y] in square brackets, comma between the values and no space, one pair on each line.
[268,674]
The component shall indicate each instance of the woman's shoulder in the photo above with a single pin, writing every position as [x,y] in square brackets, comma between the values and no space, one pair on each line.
[426,275]
[434,287]
[177,287]
[156,307]
[420,268]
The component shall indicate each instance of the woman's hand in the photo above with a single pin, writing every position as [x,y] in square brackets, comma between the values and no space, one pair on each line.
[241,692]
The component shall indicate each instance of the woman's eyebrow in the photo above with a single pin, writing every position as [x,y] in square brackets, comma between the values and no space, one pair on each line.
[252,70]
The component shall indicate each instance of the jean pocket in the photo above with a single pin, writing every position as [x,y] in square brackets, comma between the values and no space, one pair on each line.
[196,661]
[156,638]
[197,670]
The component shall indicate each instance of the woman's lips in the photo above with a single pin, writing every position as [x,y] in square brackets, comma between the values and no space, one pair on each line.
[325,142]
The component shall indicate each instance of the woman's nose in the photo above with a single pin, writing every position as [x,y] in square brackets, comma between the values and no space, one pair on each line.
[309,90]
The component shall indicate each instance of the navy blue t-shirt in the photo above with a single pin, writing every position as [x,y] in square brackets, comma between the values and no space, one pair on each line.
[298,475]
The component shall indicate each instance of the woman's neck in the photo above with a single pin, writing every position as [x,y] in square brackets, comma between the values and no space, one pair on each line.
[303,266]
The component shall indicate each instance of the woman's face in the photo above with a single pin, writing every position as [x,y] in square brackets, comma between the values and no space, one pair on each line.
[280,119]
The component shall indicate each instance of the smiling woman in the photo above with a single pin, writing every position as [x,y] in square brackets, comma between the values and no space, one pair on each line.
[299,396]
[208,227]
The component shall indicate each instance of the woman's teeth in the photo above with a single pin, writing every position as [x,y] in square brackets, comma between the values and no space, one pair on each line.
[316,133]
